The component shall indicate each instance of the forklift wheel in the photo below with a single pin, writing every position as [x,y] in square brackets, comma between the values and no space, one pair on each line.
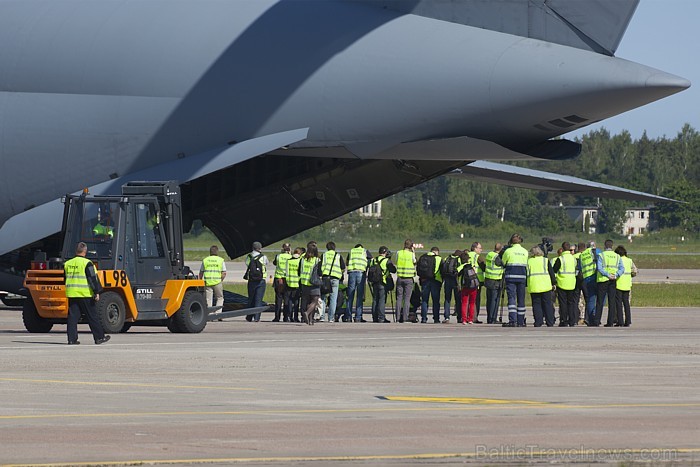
[192,315]
[111,312]
[32,321]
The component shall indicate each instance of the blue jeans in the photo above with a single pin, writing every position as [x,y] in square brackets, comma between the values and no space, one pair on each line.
[592,292]
[431,289]
[256,292]
[378,303]
[493,296]
[451,290]
[355,284]
[333,299]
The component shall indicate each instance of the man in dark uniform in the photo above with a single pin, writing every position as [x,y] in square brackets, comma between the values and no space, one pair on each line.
[83,290]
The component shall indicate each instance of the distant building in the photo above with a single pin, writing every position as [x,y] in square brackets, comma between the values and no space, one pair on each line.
[584,216]
[373,210]
[636,222]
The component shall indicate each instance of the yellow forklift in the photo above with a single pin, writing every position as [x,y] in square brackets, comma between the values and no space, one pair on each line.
[135,243]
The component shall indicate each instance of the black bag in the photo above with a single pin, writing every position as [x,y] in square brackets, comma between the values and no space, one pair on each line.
[375,275]
[326,286]
[255,269]
[389,286]
[469,278]
[449,266]
[315,279]
[425,268]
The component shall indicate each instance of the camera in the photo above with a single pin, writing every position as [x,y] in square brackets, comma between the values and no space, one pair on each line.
[388,254]
[546,245]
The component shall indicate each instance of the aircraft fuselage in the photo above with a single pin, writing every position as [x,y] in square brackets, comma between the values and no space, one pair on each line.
[91,91]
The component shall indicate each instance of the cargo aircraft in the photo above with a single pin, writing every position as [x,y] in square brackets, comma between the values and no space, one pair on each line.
[276,116]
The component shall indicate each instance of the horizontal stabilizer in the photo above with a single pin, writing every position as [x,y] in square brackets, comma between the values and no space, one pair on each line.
[42,221]
[595,25]
[520,177]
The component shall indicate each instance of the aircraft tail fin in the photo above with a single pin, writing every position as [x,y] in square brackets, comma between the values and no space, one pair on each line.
[595,25]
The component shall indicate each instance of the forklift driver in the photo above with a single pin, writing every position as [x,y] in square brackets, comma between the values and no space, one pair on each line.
[103,228]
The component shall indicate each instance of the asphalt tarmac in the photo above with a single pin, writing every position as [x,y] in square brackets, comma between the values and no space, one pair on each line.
[354,394]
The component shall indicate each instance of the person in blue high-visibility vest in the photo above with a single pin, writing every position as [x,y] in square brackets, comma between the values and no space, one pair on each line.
[514,261]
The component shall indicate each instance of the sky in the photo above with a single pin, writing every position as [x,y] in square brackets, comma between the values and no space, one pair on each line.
[663,34]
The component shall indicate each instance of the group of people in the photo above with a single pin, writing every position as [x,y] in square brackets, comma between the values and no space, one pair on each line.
[575,270]
[309,285]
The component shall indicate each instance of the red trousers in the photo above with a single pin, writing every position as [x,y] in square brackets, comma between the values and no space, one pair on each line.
[468,302]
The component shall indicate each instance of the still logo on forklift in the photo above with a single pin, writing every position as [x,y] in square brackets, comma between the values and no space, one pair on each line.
[144,294]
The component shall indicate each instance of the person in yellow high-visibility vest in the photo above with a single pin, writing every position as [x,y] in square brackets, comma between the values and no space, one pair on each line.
[213,271]
[450,270]
[587,262]
[493,280]
[101,230]
[430,288]
[405,273]
[310,292]
[386,267]
[624,287]
[609,268]
[280,283]
[566,268]
[292,294]
[82,290]
[332,266]
[579,284]
[540,282]
[357,262]
[480,267]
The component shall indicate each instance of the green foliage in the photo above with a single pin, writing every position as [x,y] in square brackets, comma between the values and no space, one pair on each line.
[684,215]
[612,216]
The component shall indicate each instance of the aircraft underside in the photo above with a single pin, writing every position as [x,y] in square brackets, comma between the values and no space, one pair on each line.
[295,194]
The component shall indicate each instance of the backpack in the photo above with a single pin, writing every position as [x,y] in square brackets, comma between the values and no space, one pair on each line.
[375,275]
[449,266]
[315,280]
[425,268]
[255,269]
[469,278]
